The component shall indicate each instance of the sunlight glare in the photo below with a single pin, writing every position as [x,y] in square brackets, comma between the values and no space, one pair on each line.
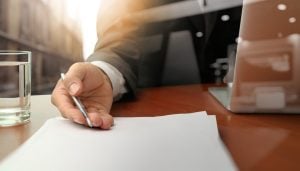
[85,12]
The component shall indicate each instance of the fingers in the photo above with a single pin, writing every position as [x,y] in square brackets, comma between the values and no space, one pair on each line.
[62,100]
[73,79]
[101,119]
[84,77]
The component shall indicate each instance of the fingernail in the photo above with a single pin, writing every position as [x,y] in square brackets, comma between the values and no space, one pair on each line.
[78,121]
[96,123]
[74,88]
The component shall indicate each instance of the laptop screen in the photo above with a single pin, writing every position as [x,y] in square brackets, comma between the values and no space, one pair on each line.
[269,19]
[268,57]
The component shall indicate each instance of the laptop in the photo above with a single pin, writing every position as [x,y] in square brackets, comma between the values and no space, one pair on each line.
[267,60]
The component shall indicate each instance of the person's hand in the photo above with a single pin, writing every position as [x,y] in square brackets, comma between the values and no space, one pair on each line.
[92,87]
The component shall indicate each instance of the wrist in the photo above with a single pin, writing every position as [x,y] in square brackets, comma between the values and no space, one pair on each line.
[115,78]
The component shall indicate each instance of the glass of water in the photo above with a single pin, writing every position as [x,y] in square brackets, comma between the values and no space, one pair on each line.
[15,87]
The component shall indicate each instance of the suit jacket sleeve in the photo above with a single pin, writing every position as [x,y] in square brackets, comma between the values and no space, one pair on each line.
[117,39]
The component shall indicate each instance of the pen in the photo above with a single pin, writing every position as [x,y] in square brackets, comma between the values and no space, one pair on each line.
[79,105]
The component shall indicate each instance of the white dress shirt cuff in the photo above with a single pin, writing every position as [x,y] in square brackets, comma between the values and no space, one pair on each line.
[115,76]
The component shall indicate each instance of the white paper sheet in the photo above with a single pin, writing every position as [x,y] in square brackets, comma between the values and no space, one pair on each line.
[182,142]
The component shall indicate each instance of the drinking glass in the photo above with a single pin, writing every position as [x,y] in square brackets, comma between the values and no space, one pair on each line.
[15,87]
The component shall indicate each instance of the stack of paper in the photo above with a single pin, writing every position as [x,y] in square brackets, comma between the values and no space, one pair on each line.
[181,142]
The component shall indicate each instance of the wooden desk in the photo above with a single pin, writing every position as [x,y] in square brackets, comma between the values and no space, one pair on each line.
[255,141]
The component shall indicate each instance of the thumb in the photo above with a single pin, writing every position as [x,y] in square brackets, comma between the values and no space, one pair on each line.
[73,79]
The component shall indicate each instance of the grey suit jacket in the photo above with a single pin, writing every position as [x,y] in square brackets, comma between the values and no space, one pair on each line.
[122,35]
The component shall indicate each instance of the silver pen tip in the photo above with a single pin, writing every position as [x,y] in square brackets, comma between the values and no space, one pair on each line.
[89,122]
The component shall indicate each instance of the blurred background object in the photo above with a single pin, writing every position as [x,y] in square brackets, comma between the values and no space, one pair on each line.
[61,32]
[45,28]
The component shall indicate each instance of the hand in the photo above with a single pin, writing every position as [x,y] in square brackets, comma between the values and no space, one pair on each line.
[92,87]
